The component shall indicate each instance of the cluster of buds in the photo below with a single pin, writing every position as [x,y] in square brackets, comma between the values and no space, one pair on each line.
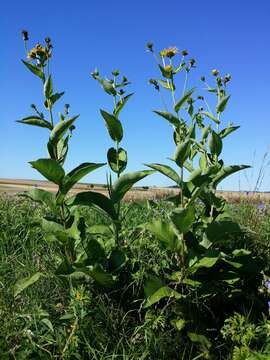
[227,78]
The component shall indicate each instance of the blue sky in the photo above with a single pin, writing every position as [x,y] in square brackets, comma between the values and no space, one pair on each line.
[232,36]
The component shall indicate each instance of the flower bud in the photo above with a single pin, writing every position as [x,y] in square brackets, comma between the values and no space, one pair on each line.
[33,106]
[200,97]
[203,78]
[124,79]
[215,72]
[25,35]
[184,52]
[149,46]
[192,62]
[115,72]
[227,78]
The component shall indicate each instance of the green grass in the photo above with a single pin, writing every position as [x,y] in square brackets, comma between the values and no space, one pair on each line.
[48,321]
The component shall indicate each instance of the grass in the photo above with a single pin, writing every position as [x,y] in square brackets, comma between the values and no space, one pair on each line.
[48,321]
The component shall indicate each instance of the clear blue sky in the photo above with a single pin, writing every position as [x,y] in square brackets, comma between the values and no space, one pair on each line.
[232,36]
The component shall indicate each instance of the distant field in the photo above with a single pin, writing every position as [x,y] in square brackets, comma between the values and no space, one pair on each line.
[14,186]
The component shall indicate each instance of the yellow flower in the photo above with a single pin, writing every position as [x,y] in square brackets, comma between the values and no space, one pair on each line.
[78,296]
[168,68]
[38,52]
[170,52]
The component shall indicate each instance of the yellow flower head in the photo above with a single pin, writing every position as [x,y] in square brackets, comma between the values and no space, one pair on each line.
[170,52]
[38,52]
[78,296]
[168,68]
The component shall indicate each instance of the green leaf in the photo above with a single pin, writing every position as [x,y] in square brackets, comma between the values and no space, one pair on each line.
[166,85]
[183,100]
[35,121]
[50,169]
[125,183]
[215,143]
[222,230]
[60,129]
[168,116]
[113,155]
[211,116]
[61,148]
[113,125]
[227,171]
[182,153]
[76,174]
[108,87]
[48,87]
[42,196]
[183,219]
[35,70]
[223,133]
[200,339]
[167,171]
[121,103]
[24,283]
[95,252]
[161,293]
[91,198]
[56,97]
[48,323]
[164,232]
[208,260]
[101,277]
[222,103]
[117,260]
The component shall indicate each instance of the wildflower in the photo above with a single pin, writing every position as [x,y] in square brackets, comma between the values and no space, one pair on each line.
[168,68]
[25,35]
[261,206]
[192,62]
[215,72]
[78,296]
[184,52]
[38,52]
[170,52]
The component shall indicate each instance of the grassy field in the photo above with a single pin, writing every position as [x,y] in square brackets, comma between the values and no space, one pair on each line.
[54,320]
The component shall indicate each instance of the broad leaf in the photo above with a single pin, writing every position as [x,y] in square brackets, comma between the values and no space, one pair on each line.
[125,183]
[215,143]
[60,129]
[182,153]
[56,97]
[91,198]
[35,70]
[113,125]
[101,277]
[166,84]
[223,133]
[183,219]
[222,103]
[48,87]
[164,232]
[222,230]
[183,100]
[42,196]
[108,87]
[36,121]
[117,159]
[227,171]
[76,174]
[168,116]
[167,171]
[50,169]
[24,283]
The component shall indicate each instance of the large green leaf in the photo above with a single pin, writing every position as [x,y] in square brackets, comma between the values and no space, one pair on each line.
[102,277]
[222,230]
[168,116]
[183,100]
[42,196]
[24,283]
[108,87]
[121,103]
[227,171]
[167,171]
[125,183]
[35,70]
[36,121]
[183,219]
[50,169]
[215,143]
[48,87]
[60,129]
[76,174]
[222,103]
[182,153]
[56,97]
[113,125]
[113,155]
[91,198]
[164,232]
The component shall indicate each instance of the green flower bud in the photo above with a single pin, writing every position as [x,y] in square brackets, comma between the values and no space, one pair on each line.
[192,62]
[215,72]
[184,52]
[203,78]
[227,78]
[25,35]
[116,72]
[200,97]
[149,46]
